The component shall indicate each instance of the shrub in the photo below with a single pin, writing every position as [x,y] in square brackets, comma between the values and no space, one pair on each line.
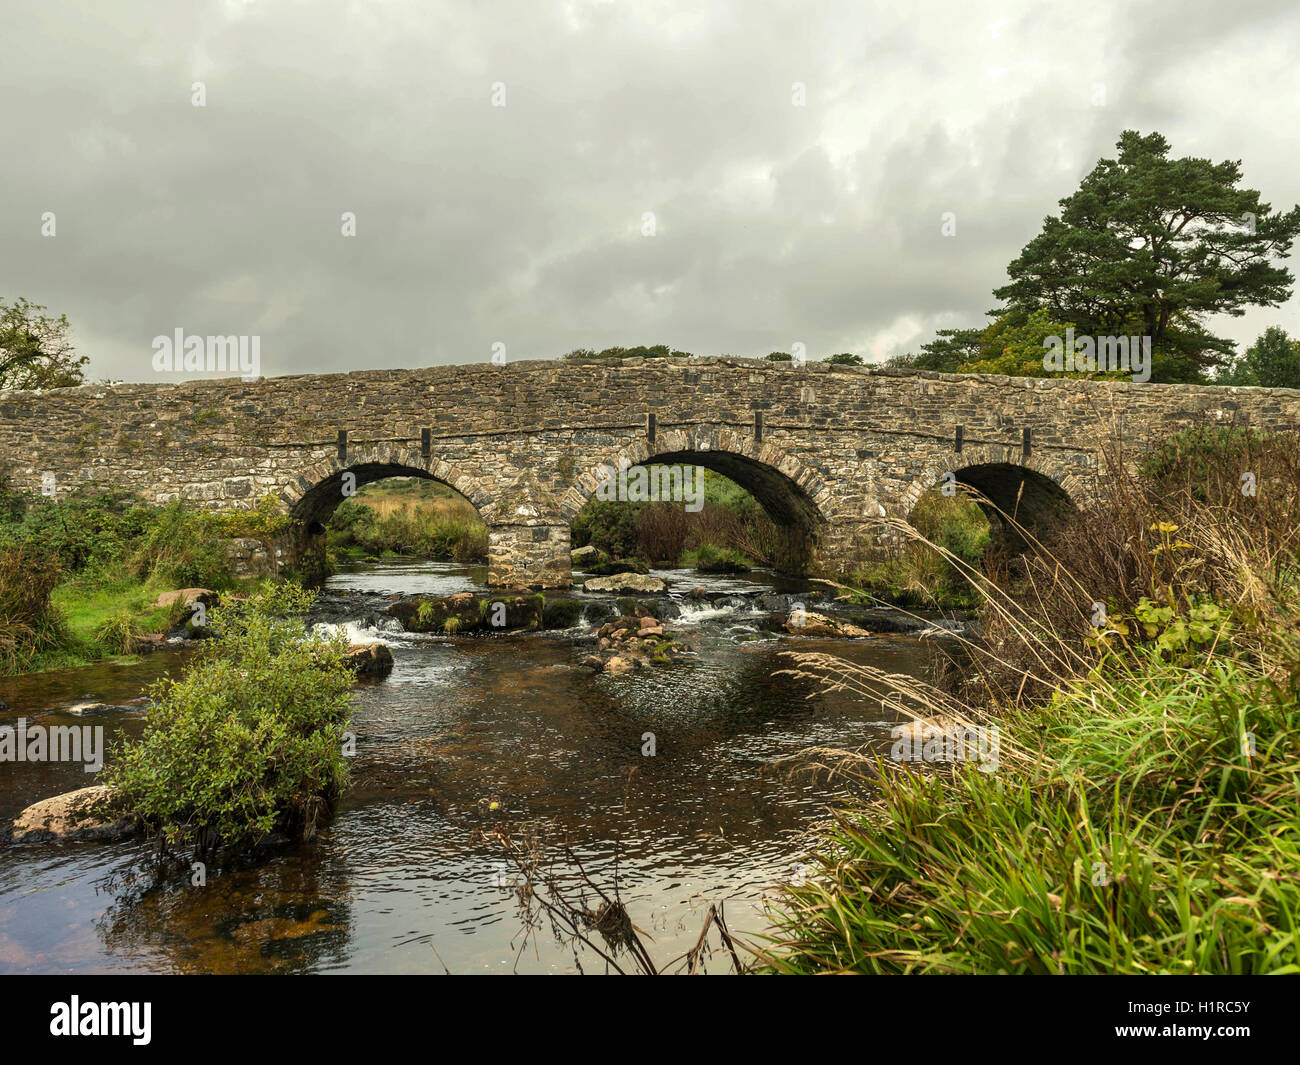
[183,548]
[120,633]
[710,559]
[29,624]
[249,741]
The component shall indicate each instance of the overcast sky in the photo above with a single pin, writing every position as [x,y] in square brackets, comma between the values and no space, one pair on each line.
[523,224]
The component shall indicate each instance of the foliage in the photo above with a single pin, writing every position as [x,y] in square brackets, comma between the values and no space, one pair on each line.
[846,358]
[1148,246]
[248,742]
[1273,361]
[265,522]
[710,559]
[1161,243]
[1151,835]
[947,353]
[442,527]
[34,348]
[1198,458]
[183,548]
[120,632]
[641,351]
[914,574]
[608,525]
[29,624]
[1156,754]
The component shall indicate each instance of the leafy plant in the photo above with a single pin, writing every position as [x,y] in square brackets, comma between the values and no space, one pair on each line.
[248,742]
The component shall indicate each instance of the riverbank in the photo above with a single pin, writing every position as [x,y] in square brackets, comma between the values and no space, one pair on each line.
[405,867]
[1142,814]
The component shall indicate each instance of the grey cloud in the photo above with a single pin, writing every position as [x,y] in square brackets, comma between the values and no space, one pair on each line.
[521,224]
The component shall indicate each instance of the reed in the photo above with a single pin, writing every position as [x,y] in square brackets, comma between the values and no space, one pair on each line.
[1145,814]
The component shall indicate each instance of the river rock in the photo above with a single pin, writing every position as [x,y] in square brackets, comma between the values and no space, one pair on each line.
[465,612]
[82,814]
[620,664]
[625,584]
[581,554]
[188,596]
[369,659]
[86,709]
[822,626]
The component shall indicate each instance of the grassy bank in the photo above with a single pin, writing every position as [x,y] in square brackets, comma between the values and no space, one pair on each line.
[1144,815]
[78,577]
[408,517]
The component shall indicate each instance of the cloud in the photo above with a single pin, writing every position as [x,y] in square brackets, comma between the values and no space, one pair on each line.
[774,223]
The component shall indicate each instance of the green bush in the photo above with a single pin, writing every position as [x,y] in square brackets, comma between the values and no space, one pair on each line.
[607,525]
[249,741]
[120,633]
[29,624]
[1202,455]
[711,559]
[183,548]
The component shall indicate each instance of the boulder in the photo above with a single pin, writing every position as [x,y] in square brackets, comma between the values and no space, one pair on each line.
[582,553]
[620,664]
[822,626]
[86,709]
[188,596]
[369,659]
[466,612]
[83,814]
[625,584]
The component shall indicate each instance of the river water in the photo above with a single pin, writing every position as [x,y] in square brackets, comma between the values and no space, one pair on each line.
[403,879]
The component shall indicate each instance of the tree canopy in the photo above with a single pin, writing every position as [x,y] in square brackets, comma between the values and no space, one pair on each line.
[1148,246]
[34,348]
[1273,361]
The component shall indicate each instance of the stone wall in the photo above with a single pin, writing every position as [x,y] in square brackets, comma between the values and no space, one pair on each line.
[525,443]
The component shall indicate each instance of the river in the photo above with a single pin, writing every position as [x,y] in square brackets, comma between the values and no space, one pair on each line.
[402,879]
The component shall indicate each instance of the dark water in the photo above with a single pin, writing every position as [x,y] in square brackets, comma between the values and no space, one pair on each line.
[402,880]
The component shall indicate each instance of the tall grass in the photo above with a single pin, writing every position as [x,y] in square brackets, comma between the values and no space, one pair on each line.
[1145,815]
[447,529]
[29,624]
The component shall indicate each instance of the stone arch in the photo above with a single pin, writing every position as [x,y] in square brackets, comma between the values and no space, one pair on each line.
[317,491]
[793,494]
[1036,491]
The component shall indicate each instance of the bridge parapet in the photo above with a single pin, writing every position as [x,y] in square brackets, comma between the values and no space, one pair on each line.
[823,448]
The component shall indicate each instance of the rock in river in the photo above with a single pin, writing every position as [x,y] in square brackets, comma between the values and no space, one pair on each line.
[625,584]
[369,659]
[83,814]
[810,624]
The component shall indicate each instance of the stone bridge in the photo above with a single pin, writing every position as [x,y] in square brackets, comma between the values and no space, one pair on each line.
[827,450]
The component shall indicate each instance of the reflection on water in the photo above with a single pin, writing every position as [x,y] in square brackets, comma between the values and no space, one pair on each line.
[397,882]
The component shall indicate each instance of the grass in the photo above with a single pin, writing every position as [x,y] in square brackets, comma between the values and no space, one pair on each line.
[408,518]
[1144,816]
[1135,832]
[915,574]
